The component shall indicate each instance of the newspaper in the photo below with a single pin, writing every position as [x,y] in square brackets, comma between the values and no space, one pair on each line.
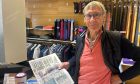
[46,70]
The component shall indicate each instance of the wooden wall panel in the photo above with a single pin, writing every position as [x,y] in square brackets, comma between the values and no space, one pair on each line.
[44,12]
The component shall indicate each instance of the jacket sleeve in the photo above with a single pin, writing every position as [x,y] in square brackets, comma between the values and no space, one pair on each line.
[72,61]
[130,51]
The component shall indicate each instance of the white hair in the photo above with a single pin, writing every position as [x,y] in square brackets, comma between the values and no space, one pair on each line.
[93,4]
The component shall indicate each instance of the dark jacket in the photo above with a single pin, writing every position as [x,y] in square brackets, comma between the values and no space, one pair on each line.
[114,48]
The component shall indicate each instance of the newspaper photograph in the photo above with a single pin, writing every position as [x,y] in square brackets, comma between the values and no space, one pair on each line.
[46,70]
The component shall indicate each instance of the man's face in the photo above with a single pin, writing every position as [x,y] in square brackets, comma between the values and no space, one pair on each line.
[94,18]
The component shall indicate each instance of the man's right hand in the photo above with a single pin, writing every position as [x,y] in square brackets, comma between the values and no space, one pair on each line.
[64,65]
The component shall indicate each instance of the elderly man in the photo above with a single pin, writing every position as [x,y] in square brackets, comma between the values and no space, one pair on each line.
[99,52]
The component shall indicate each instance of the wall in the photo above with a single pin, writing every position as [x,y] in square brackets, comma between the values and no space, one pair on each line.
[44,12]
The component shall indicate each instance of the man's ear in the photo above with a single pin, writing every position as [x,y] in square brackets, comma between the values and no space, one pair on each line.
[104,18]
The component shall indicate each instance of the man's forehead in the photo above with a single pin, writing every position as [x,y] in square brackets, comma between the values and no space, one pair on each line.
[96,8]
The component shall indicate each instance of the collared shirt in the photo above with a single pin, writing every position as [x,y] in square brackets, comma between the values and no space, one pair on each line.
[92,67]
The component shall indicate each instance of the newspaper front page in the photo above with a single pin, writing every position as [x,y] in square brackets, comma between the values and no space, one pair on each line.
[46,70]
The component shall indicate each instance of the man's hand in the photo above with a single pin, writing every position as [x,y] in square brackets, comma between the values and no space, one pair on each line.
[64,65]
[115,79]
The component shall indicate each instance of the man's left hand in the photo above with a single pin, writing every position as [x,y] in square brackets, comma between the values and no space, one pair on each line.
[115,79]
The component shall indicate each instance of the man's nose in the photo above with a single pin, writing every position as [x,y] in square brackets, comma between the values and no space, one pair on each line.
[92,18]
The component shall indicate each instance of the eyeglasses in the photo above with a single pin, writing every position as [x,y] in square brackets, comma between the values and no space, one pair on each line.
[96,16]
